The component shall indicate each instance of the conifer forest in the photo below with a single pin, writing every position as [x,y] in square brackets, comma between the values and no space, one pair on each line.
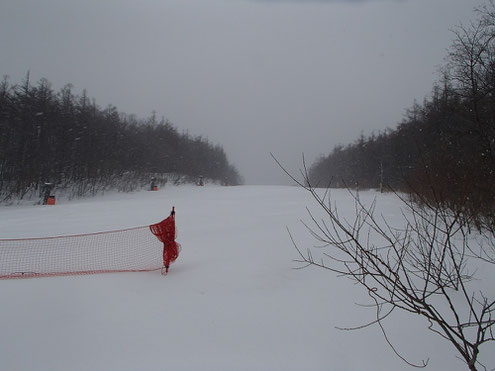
[67,140]
[444,149]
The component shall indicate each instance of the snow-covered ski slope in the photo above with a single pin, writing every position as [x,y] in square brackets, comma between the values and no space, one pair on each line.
[232,301]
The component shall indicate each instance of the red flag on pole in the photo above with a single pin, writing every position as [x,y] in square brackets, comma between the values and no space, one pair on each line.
[165,232]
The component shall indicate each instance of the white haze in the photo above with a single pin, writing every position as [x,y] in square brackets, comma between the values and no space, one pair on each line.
[287,77]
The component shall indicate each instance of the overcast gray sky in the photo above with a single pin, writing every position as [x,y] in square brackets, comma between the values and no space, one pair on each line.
[256,76]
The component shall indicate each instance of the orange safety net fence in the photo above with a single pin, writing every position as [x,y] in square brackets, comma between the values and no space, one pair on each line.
[126,250]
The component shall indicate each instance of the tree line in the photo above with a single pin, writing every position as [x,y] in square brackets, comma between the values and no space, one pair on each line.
[444,149]
[68,140]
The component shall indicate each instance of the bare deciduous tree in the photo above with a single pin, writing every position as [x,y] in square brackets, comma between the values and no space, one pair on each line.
[471,66]
[425,266]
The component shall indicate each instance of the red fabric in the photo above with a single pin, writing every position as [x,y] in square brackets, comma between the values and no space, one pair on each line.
[165,232]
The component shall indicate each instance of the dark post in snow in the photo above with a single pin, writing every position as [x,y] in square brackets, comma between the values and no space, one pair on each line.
[46,191]
[381,176]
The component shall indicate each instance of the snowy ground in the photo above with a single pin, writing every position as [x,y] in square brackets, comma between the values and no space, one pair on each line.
[232,301]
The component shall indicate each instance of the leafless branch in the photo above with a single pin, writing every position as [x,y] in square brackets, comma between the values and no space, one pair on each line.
[421,267]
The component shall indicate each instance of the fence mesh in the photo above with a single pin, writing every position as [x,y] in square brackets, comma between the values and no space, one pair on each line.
[126,250]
